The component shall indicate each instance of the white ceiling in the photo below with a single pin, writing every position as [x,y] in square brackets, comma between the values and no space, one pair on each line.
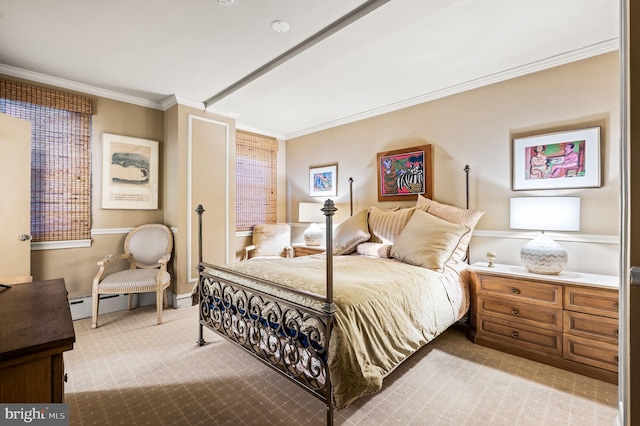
[157,52]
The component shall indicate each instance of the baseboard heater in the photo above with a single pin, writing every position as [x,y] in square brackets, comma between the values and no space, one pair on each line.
[81,306]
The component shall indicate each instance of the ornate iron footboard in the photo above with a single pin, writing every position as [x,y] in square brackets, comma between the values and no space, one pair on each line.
[290,337]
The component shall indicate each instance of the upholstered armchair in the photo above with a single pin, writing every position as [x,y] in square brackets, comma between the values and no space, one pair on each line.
[270,241]
[147,248]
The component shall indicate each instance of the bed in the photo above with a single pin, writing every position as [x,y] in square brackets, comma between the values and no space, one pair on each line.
[338,325]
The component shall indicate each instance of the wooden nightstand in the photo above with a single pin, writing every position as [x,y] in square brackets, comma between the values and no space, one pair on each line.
[301,249]
[568,320]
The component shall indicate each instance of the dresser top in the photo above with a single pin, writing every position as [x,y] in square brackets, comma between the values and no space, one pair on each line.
[34,317]
[564,277]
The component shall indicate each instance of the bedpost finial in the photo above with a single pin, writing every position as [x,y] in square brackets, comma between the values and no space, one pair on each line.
[329,208]
[199,209]
[467,169]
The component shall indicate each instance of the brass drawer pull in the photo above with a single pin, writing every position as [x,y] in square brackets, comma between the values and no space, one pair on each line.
[515,334]
[515,311]
[616,359]
[617,335]
[616,305]
[515,291]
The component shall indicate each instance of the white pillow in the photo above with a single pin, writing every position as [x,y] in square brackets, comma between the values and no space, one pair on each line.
[374,249]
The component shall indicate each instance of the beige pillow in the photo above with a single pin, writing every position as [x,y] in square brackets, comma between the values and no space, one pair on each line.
[374,249]
[428,241]
[456,215]
[386,225]
[423,203]
[350,233]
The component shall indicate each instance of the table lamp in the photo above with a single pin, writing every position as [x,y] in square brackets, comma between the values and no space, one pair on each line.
[542,255]
[312,213]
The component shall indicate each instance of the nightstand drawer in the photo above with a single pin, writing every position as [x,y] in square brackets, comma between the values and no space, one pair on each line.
[520,312]
[591,326]
[520,335]
[598,354]
[529,291]
[591,301]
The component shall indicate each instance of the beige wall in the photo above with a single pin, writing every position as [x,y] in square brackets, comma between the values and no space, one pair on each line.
[202,170]
[476,128]
[472,128]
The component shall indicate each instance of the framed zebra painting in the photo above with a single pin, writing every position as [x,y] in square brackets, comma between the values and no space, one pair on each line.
[404,173]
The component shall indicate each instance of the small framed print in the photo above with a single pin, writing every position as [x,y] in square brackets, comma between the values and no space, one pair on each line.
[323,181]
[559,160]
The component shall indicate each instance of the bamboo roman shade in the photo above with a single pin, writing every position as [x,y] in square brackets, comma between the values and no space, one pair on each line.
[256,180]
[60,158]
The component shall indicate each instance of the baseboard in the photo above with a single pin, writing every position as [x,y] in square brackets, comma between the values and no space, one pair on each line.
[180,300]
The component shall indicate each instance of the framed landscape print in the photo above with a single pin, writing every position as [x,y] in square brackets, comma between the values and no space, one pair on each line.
[559,160]
[323,181]
[129,173]
[405,173]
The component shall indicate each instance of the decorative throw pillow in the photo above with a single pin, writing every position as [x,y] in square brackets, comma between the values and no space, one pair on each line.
[456,215]
[350,233]
[428,241]
[374,249]
[386,225]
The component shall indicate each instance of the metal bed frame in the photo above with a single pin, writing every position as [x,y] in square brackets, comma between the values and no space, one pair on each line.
[291,338]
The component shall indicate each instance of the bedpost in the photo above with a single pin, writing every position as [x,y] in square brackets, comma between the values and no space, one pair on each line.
[466,172]
[199,211]
[350,196]
[330,308]
[329,209]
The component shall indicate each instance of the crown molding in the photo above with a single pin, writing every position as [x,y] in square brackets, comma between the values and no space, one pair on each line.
[78,87]
[544,64]
[179,100]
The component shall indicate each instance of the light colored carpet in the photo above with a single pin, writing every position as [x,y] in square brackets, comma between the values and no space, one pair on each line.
[131,371]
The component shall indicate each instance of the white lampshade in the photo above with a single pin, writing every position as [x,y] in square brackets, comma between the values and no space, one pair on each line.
[546,213]
[542,255]
[312,212]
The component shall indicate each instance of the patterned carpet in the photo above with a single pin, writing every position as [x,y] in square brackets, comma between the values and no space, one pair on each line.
[133,372]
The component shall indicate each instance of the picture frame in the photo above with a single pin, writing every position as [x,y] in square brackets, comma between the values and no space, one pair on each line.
[560,160]
[405,173]
[129,172]
[323,181]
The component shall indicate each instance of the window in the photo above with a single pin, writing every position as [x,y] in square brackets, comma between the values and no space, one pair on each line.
[256,180]
[60,159]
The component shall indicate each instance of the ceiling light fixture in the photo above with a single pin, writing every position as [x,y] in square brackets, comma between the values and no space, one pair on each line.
[225,2]
[280,26]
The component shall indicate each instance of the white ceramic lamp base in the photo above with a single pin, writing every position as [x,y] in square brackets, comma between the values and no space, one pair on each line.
[313,235]
[542,255]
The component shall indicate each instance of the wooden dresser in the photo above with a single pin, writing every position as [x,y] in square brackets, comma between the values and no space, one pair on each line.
[568,320]
[35,329]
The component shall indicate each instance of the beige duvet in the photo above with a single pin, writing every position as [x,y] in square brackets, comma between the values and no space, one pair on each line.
[386,310]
